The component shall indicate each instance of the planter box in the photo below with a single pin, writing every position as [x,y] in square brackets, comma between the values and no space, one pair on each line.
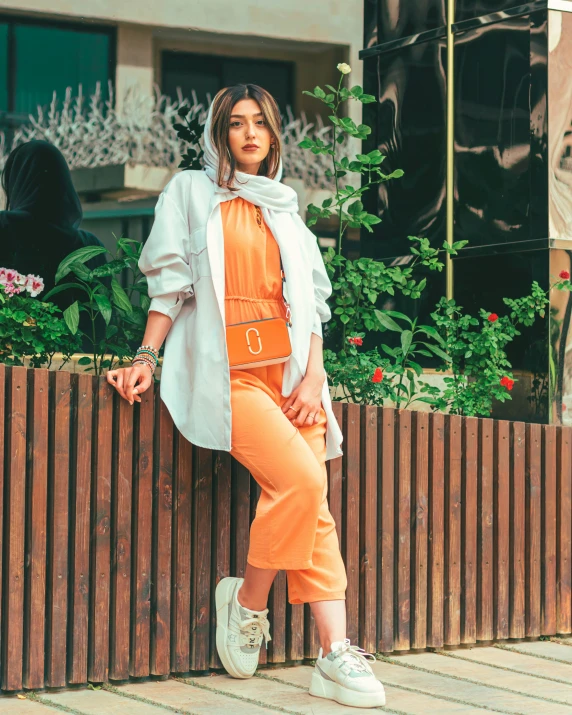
[116,529]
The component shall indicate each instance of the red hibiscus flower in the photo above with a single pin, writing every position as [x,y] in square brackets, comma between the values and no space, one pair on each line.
[355,340]
[507,382]
[564,275]
[493,317]
[377,375]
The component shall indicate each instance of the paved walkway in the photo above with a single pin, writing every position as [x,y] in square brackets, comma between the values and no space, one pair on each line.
[524,678]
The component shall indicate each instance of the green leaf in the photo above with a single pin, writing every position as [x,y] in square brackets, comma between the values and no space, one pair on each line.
[60,288]
[387,321]
[71,316]
[406,338]
[357,91]
[84,360]
[80,256]
[438,352]
[319,92]
[104,306]
[401,316]
[120,297]
[428,330]
[418,369]
[367,98]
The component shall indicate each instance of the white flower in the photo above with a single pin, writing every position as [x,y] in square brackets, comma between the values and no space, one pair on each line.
[344,68]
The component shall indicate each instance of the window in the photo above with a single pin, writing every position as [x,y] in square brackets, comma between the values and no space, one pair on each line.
[37,60]
[206,74]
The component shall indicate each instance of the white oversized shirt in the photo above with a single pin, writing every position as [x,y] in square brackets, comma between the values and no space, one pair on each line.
[183,260]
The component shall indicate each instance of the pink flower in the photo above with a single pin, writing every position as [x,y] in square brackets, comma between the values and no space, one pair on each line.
[377,375]
[2,275]
[34,284]
[11,274]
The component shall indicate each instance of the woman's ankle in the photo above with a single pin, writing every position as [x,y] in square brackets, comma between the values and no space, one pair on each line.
[247,601]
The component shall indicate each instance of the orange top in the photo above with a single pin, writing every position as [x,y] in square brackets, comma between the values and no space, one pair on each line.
[253,285]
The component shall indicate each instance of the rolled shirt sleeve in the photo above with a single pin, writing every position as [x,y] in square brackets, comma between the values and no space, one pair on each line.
[164,259]
[322,290]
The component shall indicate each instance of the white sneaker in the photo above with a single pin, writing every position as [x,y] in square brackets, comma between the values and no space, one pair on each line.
[239,631]
[345,676]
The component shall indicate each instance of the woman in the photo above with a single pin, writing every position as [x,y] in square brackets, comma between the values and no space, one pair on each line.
[39,227]
[213,259]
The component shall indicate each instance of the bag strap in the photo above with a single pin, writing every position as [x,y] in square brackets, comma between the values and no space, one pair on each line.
[288,311]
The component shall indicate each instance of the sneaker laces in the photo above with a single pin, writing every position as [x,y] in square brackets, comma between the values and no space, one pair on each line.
[354,658]
[253,629]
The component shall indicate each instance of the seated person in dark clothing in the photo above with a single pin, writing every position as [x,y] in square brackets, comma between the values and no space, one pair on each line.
[39,227]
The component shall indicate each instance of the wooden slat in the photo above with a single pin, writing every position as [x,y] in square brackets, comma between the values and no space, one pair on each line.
[142,536]
[564,529]
[36,526]
[368,530]
[470,486]
[403,546]
[160,654]
[221,557]
[386,547]
[277,606]
[549,509]
[240,518]
[201,564]
[98,664]
[502,492]
[421,527]
[335,478]
[3,479]
[533,528]
[453,497]
[485,611]
[436,556]
[350,540]
[58,526]
[518,527]
[182,511]
[81,476]
[13,632]
[121,542]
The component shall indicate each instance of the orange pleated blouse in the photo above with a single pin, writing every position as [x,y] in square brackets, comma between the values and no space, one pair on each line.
[253,283]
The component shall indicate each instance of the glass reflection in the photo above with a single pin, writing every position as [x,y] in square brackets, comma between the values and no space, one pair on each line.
[410,130]
[492,133]
[402,18]
[466,9]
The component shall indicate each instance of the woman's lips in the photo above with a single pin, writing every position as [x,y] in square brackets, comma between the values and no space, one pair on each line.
[250,148]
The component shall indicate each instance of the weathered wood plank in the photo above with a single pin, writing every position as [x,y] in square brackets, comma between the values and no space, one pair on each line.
[436,556]
[420,525]
[503,439]
[403,516]
[533,528]
[351,516]
[470,562]
[368,529]
[36,529]
[564,531]
[80,571]
[549,479]
[386,546]
[485,600]
[518,533]
[453,517]
[143,536]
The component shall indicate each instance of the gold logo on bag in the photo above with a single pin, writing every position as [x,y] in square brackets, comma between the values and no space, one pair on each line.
[254,352]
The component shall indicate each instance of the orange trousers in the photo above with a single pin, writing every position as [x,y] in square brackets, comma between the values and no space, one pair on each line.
[293,529]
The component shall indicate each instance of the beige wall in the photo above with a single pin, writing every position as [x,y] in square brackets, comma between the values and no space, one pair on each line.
[315,35]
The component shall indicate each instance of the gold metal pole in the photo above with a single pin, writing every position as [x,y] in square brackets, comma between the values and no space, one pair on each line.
[450,142]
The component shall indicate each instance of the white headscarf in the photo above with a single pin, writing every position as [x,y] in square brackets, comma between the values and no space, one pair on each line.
[279,204]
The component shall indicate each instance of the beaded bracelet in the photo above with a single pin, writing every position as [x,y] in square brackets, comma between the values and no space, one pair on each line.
[144,361]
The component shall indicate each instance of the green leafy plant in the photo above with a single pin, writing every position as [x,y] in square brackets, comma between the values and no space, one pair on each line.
[31,328]
[124,322]
[190,130]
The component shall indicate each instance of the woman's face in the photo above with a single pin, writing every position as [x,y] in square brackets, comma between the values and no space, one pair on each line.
[248,136]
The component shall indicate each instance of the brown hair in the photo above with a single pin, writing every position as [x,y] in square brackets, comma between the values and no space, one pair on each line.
[223,104]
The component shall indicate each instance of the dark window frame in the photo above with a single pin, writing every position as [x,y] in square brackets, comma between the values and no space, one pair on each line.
[202,56]
[9,117]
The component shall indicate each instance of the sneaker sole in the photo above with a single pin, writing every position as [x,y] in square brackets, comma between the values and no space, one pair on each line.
[223,595]
[321,688]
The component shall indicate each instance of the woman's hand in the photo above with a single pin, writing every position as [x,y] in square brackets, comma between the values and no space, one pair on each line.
[130,382]
[306,400]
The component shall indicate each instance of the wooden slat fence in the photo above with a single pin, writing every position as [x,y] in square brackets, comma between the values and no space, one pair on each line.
[115,531]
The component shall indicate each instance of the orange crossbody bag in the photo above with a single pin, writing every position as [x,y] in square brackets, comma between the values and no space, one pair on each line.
[256,343]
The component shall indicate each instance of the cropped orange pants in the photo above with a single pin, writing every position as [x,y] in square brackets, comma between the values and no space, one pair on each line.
[293,529]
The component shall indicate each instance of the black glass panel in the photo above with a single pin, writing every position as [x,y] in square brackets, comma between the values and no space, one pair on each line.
[402,18]
[409,128]
[492,134]
[370,23]
[467,9]
[483,282]
[206,74]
